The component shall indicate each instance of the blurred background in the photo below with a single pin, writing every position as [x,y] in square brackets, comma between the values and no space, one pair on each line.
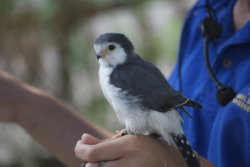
[49,44]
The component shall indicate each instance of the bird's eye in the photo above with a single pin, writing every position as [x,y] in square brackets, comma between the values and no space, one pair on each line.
[111,47]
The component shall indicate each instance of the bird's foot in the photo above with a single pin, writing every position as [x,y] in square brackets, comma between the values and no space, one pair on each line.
[154,135]
[120,133]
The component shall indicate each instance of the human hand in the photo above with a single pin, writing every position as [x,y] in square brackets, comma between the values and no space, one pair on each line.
[129,150]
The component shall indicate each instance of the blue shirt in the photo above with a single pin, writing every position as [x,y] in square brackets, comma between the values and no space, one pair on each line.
[220,134]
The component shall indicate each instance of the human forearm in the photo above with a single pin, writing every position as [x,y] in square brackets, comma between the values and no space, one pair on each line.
[55,126]
[46,119]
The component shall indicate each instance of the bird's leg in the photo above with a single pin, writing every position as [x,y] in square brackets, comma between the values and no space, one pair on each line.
[120,133]
[154,135]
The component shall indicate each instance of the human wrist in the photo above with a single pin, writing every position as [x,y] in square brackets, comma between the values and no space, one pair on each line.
[205,163]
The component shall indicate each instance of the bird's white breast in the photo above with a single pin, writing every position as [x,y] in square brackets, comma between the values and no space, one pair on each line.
[112,93]
[135,117]
[128,112]
[104,77]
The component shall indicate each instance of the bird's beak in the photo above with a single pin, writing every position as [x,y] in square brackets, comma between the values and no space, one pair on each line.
[101,54]
[98,56]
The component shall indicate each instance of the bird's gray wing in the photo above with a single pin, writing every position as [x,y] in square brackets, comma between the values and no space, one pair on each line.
[148,84]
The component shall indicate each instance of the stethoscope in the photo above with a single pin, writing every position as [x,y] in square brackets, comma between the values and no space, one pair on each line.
[210,30]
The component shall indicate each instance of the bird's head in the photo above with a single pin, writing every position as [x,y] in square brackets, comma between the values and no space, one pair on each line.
[113,49]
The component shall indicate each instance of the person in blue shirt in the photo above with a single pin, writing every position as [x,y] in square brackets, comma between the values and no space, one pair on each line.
[220,134]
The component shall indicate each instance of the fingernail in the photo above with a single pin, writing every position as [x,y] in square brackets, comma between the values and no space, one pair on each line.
[92,165]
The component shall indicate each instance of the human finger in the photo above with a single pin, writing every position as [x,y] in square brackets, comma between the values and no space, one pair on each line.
[89,139]
[96,153]
[79,150]
[107,150]
[114,163]
[91,165]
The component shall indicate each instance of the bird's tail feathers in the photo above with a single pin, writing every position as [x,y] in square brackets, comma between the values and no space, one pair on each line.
[183,110]
[188,154]
[191,103]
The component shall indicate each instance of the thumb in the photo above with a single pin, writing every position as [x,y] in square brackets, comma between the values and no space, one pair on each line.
[89,139]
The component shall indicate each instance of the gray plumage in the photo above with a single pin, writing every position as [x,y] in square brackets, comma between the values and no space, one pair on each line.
[142,79]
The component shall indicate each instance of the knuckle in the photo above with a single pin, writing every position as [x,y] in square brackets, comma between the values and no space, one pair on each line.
[78,151]
[77,147]
[90,154]
[86,153]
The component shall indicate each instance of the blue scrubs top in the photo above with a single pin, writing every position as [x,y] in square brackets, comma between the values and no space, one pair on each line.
[220,134]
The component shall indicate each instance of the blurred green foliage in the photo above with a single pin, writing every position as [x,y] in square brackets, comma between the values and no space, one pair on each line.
[6,5]
[96,110]
[78,47]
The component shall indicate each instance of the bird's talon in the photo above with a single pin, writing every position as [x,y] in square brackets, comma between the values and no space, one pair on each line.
[120,133]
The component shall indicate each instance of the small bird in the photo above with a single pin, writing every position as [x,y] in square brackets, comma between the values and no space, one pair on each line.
[139,93]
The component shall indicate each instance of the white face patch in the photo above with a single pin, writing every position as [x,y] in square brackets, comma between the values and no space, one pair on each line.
[110,57]
[97,48]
